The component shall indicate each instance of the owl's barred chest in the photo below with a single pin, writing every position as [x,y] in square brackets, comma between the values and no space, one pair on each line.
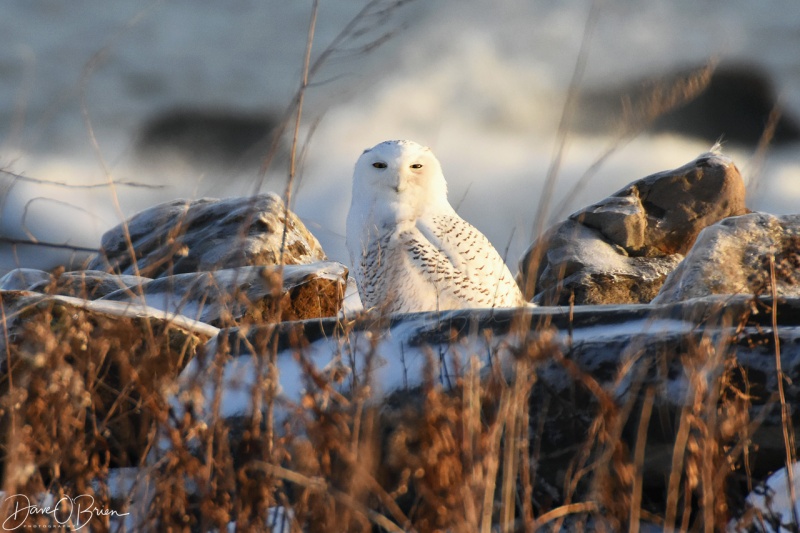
[396,246]
[410,250]
[408,270]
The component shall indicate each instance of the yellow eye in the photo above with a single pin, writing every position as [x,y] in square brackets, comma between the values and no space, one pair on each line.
[416,165]
[379,164]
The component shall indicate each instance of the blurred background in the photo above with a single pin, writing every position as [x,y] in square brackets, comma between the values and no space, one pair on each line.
[181,99]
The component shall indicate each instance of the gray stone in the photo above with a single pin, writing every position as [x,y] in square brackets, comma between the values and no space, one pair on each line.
[93,284]
[734,101]
[621,220]
[621,249]
[595,368]
[733,256]
[25,279]
[580,261]
[205,235]
[88,284]
[246,295]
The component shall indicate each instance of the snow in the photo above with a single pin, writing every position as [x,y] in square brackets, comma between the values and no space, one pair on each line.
[771,504]
[136,310]
[396,357]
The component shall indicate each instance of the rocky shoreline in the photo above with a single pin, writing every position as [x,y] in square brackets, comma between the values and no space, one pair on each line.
[669,316]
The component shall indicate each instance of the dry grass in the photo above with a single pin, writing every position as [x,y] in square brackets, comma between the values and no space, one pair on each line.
[83,394]
[87,394]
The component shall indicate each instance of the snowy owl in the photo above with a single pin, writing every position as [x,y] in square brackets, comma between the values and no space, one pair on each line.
[409,250]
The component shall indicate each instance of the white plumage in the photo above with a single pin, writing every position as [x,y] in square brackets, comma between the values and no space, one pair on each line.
[409,250]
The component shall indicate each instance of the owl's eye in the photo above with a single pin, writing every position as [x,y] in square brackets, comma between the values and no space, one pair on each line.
[379,164]
[416,165]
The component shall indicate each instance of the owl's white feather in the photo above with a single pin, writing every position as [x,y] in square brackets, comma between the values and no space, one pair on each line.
[409,249]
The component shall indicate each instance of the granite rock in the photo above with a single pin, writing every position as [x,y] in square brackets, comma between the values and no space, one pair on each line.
[207,234]
[621,249]
[246,295]
[733,257]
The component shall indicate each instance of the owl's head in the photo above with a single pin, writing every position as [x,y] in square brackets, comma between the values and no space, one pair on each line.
[401,172]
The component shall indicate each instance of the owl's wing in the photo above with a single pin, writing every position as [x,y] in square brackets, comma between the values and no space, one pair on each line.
[462,263]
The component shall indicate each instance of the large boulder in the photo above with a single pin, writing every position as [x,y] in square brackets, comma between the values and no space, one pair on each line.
[621,249]
[208,234]
[252,295]
[734,255]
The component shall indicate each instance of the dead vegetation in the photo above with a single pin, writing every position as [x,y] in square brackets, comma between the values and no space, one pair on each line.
[84,395]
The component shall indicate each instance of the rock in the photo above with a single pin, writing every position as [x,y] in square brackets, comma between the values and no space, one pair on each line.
[92,284]
[24,279]
[581,262]
[243,295]
[208,137]
[593,370]
[735,105]
[88,284]
[246,295]
[205,235]
[733,255]
[621,249]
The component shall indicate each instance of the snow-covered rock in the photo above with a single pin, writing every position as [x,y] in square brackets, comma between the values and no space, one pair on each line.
[246,294]
[580,261]
[395,357]
[621,249]
[683,353]
[208,234]
[24,279]
[733,257]
[88,284]
[19,305]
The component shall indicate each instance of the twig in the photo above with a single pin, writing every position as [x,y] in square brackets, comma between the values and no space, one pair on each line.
[494,437]
[676,472]
[14,242]
[786,418]
[564,510]
[510,466]
[638,459]
[64,184]
[319,485]
[563,131]
[754,170]
[9,368]
[287,198]
[24,221]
